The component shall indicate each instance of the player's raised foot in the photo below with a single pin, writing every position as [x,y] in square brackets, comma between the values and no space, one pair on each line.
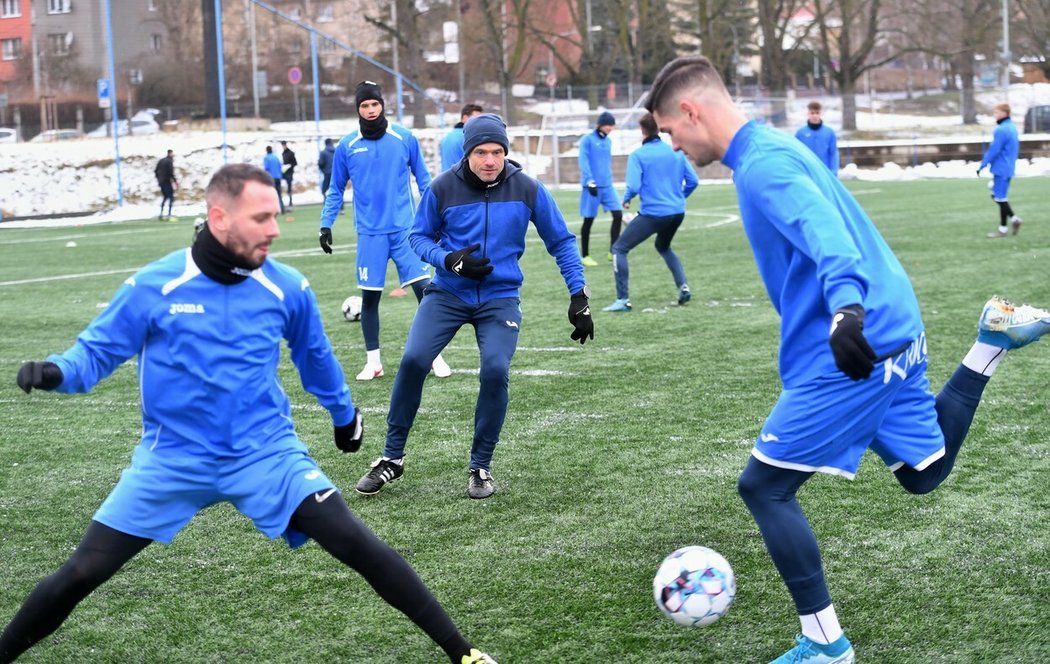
[475,656]
[1008,326]
[383,471]
[619,305]
[1015,224]
[811,652]
[440,367]
[684,294]
[998,232]
[589,262]
[370,372]
[480,486]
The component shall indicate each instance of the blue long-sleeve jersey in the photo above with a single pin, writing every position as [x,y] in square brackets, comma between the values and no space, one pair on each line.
[823,142]
[662,178]
[595,159]
[816,251]
[208,354]
[379,171]
[272,165]
[1002,153]
[454,215]
[452,147]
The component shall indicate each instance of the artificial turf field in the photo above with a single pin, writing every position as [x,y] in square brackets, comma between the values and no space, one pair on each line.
[613,454]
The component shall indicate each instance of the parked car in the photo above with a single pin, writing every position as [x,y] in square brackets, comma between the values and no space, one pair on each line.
[8,135]
[142,123]
[52,135]
[1037,120]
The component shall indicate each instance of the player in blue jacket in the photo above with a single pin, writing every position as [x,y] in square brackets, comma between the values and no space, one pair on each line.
[452,143]
[272,165]
[819,137]
[595,160]
[471,226]
[206,326]
[377,160]
[852,343]
[663,179]
[1001,156]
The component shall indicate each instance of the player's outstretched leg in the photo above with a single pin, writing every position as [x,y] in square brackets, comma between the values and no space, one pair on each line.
[1010,326]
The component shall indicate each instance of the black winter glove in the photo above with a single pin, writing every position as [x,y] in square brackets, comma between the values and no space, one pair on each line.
[348,437]
[462,263]
[853,355]
[592,188]
[41,375]
[580,317]
[326,240]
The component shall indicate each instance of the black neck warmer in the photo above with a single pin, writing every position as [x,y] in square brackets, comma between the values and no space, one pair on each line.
[216,261]
[601,134]
[650,139]
[373,130]
[459,125]
[815,127]
[477,183]
[1001,120]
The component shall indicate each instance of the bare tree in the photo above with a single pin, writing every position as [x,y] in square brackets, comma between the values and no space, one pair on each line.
[721,30]
[782,35]
[1034,31]
[406,36]
[506,29]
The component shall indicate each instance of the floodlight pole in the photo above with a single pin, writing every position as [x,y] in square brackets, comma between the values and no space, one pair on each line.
[255,56]
[114,116]
[1006,52]
[317,90]
[222,76]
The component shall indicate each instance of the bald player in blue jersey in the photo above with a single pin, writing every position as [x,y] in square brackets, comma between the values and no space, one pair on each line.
[206,326]
[852,348]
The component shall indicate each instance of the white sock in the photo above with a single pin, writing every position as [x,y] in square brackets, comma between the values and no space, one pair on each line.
[399,462]
[373,358]
[821,627]
[984,358]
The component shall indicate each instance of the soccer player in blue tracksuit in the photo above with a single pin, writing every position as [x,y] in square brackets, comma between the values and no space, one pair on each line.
[852,345]
[272,164]
[206,325]
[819,137]
[663,179]
[452,143]
[378,160]
[595,161]
[471,226]
[1001,156]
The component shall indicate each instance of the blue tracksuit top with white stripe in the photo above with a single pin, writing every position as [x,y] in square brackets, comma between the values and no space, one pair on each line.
[595,159]
[379,171]
[816,251]
[208,354]
[1002,153]
[452,147]
[662,177]
[823,142]
[453,215]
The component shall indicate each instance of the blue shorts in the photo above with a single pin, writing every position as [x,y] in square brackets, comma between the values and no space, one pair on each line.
[827,425]
[163,489]
[373,252]
[1000,187]
[607,196]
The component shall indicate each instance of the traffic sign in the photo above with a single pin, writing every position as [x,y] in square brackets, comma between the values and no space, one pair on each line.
[104,97]
[295,76]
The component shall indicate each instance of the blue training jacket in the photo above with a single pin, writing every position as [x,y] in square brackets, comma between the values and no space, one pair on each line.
[595,159]
[379,171]
[272,165]
[208,354]
[823,143]
[454,215]
[1002,153]
[662,177]
[816,252]
[452,147]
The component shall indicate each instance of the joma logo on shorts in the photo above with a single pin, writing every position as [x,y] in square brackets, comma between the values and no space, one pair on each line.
[179,308]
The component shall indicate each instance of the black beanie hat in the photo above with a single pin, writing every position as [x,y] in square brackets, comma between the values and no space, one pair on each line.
[606,118]
[368,90]
[485,128]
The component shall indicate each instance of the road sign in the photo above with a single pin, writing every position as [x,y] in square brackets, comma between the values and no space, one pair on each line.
[551,80]
[104,97]
[295,76]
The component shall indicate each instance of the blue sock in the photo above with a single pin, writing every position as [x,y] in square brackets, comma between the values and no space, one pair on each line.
[370,317]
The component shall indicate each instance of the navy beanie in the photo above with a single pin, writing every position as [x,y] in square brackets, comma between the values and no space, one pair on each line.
[606,118]
[484,128]
[368,90]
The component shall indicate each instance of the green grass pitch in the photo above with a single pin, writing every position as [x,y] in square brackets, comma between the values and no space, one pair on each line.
[613,454]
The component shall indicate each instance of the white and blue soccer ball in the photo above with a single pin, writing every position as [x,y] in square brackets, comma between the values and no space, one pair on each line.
[352,308]
[694,586]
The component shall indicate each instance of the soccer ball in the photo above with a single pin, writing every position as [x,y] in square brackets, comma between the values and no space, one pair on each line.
[352,308]
[694,586]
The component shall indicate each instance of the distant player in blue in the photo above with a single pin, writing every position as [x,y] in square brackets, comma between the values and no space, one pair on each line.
[452,143]
[471,225]
[206,326]
[596,175]
[378,159]
[663,179]
[272,165]
[819,137]
[324,164]
[852,343]
[1001,156]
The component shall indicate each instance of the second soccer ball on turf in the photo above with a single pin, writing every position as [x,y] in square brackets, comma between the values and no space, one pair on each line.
[352,308]
[694,586]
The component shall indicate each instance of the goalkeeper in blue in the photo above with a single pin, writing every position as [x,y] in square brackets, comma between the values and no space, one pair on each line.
[206,326]
[852,348]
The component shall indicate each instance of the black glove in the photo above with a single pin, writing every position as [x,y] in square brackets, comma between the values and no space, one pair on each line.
[978,172]
[41,375]
[853,355]
[580,317]
[592,188]
[348,437]
[462,263]
[326,240]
